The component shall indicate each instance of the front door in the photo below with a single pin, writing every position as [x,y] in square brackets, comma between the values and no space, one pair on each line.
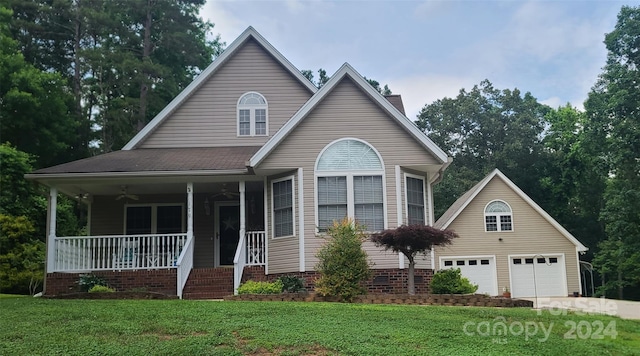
[227,231]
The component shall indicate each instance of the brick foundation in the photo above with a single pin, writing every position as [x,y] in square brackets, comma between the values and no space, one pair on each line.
[160,281]
[388,281]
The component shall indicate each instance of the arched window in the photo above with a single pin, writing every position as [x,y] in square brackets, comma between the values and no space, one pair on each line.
[349,177]
[497,216]
[252,115]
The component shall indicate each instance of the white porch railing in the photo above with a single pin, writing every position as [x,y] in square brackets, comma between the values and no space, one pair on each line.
[251,251]
[119,252]
[185,264]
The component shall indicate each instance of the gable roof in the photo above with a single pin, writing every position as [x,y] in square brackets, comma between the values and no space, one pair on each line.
[347,71]
[249,33]
[459,205]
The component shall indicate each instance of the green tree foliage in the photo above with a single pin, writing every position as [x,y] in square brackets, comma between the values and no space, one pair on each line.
[323,79]
[614,133]
[411,240]
[34,104]
[450,281]
[342,263]
[483,129]
[21,256]
[122,60]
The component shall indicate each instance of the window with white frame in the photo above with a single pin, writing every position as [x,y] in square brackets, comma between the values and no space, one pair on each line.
[415,200]
[349,183]
[154,219]
[497,216]
[283,207]
[252,115]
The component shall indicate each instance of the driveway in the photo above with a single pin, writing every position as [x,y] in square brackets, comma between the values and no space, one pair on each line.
[625,309]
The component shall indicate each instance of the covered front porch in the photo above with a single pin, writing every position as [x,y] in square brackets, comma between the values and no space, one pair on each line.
[162,224]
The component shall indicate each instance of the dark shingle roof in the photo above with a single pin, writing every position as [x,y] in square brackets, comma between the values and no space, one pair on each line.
[159,159]
[396,100]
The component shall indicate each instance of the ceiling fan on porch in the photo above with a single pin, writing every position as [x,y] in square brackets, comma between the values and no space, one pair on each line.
[124,194]
[224,192]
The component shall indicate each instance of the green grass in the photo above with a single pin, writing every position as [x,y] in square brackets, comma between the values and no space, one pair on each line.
[79,327]
[5,296]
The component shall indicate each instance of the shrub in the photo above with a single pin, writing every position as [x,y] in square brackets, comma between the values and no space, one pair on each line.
[292,284]
[253,287]
[101,289]
[343,264]
[88,281]
[450,281]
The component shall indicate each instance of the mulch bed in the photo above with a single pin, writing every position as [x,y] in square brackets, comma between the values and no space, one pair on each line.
[478,300]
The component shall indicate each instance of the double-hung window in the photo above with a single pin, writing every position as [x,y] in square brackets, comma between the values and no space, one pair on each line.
[497,216]
[252,115]
[349,183]
[283,207]
[415,200]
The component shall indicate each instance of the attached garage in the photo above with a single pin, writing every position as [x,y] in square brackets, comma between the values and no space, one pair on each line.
[538,275]
[480,270]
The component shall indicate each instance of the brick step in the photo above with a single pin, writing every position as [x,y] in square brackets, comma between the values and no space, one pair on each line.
[209,283]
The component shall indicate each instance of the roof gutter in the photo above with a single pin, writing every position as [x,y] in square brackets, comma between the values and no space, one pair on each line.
[438,177]
[146,174]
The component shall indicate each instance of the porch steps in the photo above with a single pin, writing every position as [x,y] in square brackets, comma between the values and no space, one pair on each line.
[209,283]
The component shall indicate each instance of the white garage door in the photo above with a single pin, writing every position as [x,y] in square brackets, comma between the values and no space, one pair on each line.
[547,272]
[479,270]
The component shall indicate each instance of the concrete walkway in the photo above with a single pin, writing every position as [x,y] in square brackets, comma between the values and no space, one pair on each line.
[625,309]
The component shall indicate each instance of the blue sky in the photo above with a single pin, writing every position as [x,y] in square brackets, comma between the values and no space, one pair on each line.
[427,50]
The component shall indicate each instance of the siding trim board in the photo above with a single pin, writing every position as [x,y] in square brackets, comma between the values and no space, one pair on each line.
[347,71]
[249,33]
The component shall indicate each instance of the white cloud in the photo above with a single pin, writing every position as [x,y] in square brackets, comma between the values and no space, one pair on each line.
[226,23]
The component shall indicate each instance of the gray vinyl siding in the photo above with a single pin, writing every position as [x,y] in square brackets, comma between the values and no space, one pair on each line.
[284,252]
[347,112]
[208,118]
[532,234]
[107,218]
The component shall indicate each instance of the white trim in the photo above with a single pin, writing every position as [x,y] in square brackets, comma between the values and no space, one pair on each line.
[252,115]
[189,210]
[545,255]
[495,266]
[293,207]
[250,32]
[301,220]
[347,71]
[398,175]
[480,186]
[265,204]
[498,216]
[430,202]
[154,215]
[424,194]
[216,228]
[51,234]
[579,274]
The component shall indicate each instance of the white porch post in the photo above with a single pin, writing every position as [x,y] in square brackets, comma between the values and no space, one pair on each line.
[189,210]
[51,237]
[243,207]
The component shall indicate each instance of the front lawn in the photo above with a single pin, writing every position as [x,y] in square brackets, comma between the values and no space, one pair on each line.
[41,326]
[4,296]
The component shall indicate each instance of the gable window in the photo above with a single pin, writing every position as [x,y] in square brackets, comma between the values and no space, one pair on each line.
[415,200]
[349,183]
[154,219]
[282,200]
[497,216]
[252,115]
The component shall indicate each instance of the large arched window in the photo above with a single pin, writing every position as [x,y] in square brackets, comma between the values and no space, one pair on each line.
[252,115]
[497,216]
[350,183]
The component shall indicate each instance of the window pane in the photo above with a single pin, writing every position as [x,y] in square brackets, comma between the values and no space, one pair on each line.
[347,155]
[368,202]
[327,214]
[283,208]
[415,201]
[497,207]
[261,122]
[505,223]
[138,220]
[169,219]
[371,216]
[332,190]
[492,223]
[245,122]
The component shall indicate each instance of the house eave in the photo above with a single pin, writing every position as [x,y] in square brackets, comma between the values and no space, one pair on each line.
[145,174]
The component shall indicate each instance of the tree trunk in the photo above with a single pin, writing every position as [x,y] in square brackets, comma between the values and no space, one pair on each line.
[412,267]
[146,53]
[620,287]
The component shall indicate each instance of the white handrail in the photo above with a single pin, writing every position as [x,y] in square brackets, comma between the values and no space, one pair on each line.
[239,261]
[117,252]
[185,265]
